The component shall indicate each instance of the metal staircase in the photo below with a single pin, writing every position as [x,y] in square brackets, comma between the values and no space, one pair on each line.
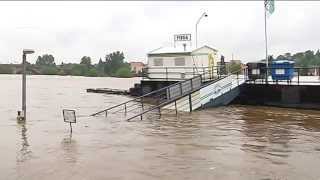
[187,95]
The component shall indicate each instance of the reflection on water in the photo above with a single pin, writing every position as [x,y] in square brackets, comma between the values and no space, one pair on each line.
[233,142]
[24,153]
[69,147]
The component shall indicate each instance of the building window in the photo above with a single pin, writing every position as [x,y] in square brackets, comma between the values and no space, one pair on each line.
[158,62]
[179,62]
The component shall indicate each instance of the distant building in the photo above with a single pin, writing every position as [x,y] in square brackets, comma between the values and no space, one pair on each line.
[136,67]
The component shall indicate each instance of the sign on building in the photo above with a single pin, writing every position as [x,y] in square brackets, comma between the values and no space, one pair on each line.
[182,37]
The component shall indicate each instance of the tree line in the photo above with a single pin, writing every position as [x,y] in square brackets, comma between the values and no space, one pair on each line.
[113,65]
[305,59]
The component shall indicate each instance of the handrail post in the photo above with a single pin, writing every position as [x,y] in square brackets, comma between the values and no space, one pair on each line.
[193,71]
[141,100]
[125,108]
[191,84]
[203,70]
[298,75]
[238,77]
[167,73]
[175,105]
[106,113]
[190,103]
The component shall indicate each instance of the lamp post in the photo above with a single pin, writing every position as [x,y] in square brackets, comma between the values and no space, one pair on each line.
[22,116]
[203,15]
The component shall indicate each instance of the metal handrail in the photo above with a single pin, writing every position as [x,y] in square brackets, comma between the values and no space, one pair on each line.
[148,94]
[145,95]
[183,95]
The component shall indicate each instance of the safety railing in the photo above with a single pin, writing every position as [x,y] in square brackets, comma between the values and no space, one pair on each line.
[218,89]
[156,99]
[286,75]
[180,73]
[235,76]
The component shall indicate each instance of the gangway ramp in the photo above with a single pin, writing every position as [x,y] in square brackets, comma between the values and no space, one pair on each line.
[187,95]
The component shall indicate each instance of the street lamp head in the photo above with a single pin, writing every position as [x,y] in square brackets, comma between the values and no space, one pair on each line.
[205,15]
[28,51]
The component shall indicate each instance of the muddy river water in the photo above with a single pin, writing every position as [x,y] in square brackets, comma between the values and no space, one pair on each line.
[233,142]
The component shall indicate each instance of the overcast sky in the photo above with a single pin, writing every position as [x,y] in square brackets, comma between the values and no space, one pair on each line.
[70,30]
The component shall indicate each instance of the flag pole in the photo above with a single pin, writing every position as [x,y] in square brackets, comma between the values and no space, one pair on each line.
[266,38]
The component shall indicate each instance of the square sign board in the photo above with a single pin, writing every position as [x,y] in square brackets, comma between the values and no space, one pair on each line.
[69,116]
[182,37]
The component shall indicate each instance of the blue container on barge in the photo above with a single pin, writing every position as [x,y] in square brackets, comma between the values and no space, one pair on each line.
[282,70]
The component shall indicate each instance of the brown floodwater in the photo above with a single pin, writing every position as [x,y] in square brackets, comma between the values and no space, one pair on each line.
[233,142]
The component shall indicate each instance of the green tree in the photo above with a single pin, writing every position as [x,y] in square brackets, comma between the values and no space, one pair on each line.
[86,60]
[92,72]
[124,72]
[234,67]
[45,60]
[113,62]
[49,70]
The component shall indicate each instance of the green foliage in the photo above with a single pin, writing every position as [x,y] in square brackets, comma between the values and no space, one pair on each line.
[45,60]
[234,67]
[49,70]
[79,70]
[303,59]
[113,62]
[86,60]
[124,72]
[5,69]
[113,65]
[92,72]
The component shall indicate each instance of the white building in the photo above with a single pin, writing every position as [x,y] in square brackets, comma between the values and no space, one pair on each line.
[181,62]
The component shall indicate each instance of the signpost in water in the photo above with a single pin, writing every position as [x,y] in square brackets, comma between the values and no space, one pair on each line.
[69,116]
